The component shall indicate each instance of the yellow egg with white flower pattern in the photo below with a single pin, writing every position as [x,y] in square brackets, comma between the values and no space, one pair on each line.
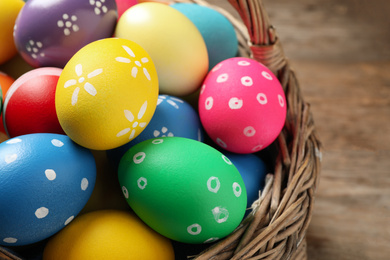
[107,93]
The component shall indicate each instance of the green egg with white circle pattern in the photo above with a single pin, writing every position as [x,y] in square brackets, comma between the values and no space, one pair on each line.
[183,189]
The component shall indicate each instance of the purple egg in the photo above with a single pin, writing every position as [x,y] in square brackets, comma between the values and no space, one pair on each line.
[49,33]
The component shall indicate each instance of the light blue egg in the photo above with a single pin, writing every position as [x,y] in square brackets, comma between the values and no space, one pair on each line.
[45,181]
[217,31]
[172,117]
[253,171]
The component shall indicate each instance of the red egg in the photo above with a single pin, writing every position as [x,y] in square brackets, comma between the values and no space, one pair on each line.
[123,5]
[29,104]
[242,105]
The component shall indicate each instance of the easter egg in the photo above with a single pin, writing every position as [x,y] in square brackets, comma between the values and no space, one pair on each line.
[123,5]
[183,189]
[9,10]
[173,117]
[49,33]
[29,104]
[108,234]
[172,40]
[217,31]
[242,105]
[253,171]
[5,83]
[104,99]
[45,181]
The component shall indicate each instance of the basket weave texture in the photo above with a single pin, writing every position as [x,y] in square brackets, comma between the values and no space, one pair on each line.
[277,224]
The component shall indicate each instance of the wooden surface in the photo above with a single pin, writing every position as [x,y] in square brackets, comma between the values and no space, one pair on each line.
[340,50]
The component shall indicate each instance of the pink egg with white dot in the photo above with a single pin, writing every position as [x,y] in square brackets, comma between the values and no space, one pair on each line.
[242,105]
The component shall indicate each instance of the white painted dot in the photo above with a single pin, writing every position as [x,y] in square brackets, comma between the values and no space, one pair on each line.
[144,60]
[69,220]
[157,141]
[202,88]
[281,100]
[266,75]
[257,148]
[172,103]
[98,4]
[235,103]
[92,2]
[194,229]
[246,81]
[220,214]
[9,158]
[138,63]
[81,80]
[97,11]
[142,182]
[209,103]
[74,18]
[221,143]
[249,131]
[217,67]
[14,141]
[243,63]
[57,143]
[66,31]
[41,212]
[35,50]
[227,160]
[10,240]
[31,42]
[34,55]
[65,16]
[84,183]
[211,239]
[50,174]
[237,189]
[125,192]
[28,48]
[42,54]
[75,28]
[222,78]
[139,157]
[262,98]
[68,24]
[104,8]
[213,184]
[60,23]
[39,44]
[135,124]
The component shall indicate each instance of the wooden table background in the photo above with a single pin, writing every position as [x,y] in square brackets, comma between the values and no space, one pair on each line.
[340,50]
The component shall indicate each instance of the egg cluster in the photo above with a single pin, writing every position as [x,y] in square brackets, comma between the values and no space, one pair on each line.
[124,101]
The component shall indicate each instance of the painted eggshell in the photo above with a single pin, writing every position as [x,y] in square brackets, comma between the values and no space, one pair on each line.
[45,181]
[253,171]
[29,104]
[9,10]
[123,5]
[172,40]
[108,234]
[242,105]
[173,117]
[217,31]
[183,189]
[104,99]
[49,33]
[5,83]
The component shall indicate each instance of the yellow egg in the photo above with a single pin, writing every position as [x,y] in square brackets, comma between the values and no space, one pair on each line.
[9,10]
[108,234]
[107,93]
[172,40]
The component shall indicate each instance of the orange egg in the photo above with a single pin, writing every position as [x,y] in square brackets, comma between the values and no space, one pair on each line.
[9,10]
[5,83]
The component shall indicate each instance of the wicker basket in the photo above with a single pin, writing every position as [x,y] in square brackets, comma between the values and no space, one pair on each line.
[276,227]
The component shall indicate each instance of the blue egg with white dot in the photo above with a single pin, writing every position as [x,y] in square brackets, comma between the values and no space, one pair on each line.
[173,117]
[253,171]
[45,181]
[217,31]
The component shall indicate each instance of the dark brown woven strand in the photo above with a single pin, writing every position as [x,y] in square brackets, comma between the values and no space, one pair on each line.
[277,225]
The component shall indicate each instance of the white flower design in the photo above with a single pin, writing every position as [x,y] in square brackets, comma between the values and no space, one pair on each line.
[99,7]
[35,49]
[87,86]
[129,116]
[68,22]
[170,100]
[164,131]
[134,70]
